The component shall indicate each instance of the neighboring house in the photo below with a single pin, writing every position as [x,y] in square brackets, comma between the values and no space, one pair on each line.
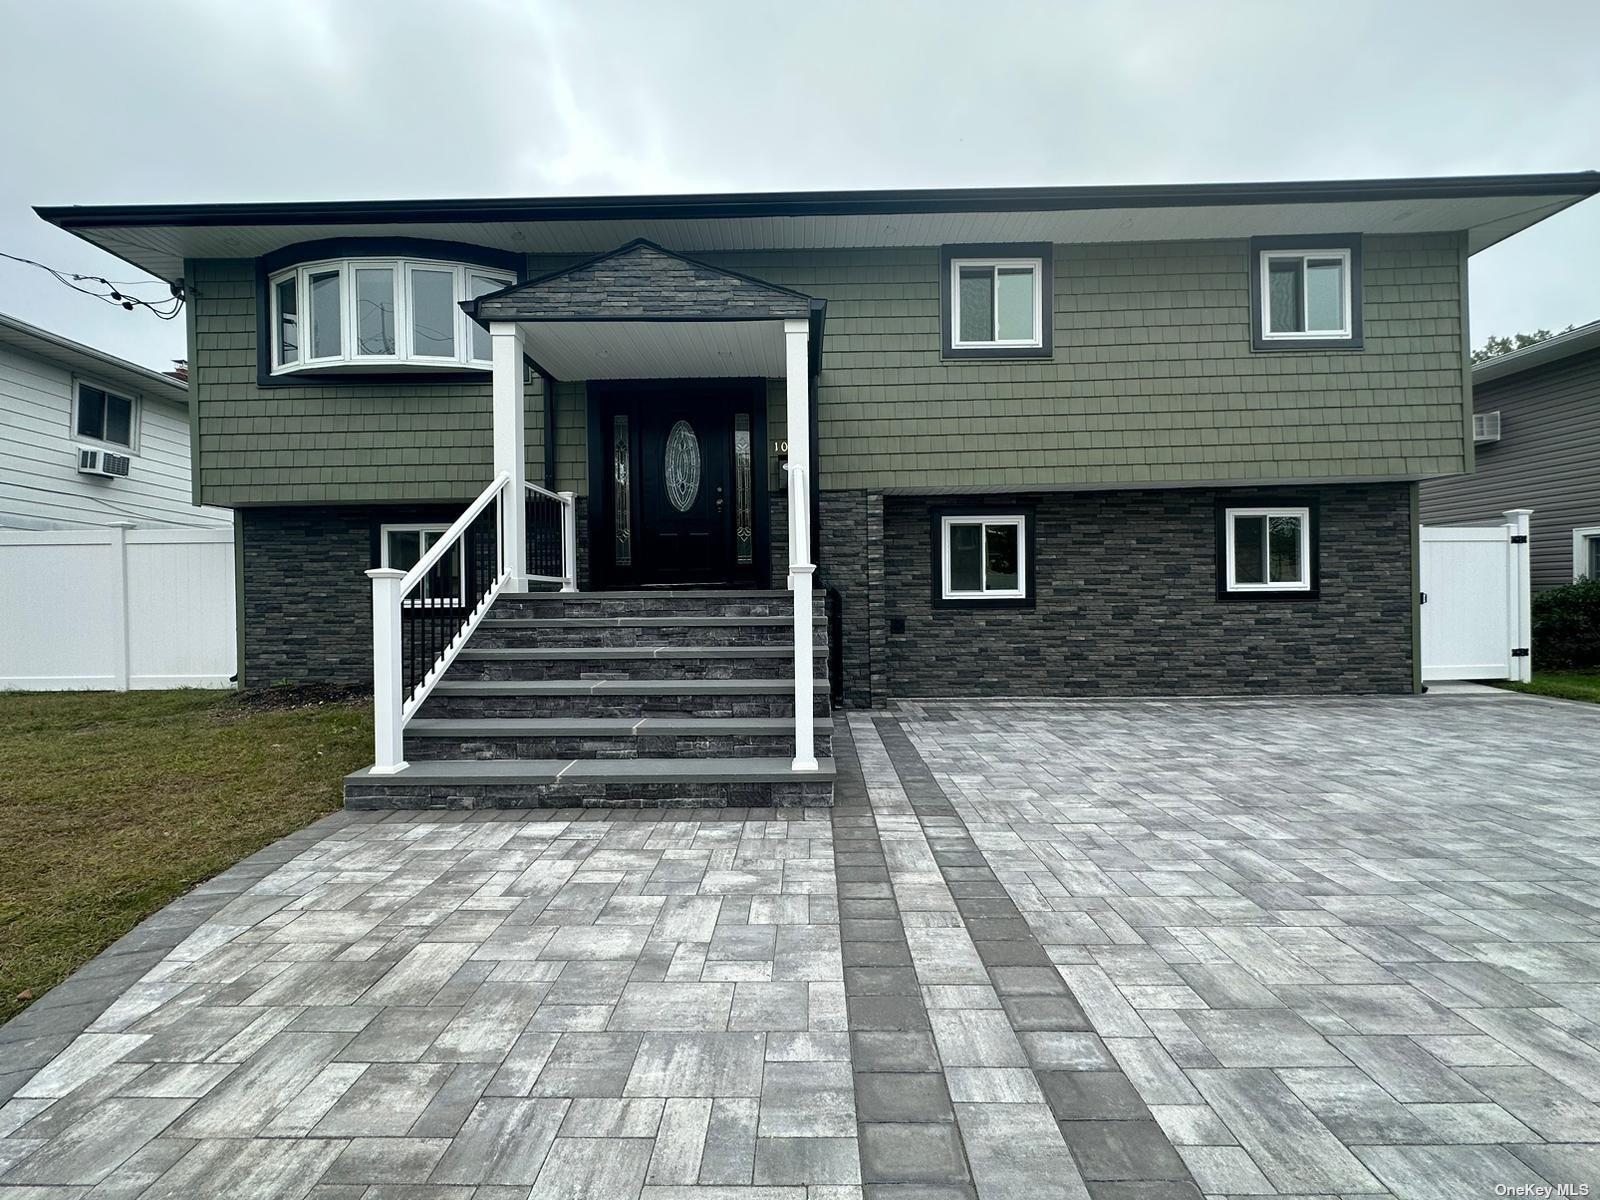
[1537,429]
[88,439]
[1055,442]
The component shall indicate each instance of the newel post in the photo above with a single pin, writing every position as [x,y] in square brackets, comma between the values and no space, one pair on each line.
[511,444]
[797,363]
[569,541]
[388,736]
[1522,596]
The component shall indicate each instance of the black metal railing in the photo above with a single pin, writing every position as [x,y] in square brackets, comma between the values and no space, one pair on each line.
[545,533]
[434,609]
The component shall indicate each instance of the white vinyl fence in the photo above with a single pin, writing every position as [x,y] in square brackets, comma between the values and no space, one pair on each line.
[117,608]
[1476,600]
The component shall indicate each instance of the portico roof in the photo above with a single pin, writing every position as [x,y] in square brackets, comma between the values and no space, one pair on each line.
[641,311]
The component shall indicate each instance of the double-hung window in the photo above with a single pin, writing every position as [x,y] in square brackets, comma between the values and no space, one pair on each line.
[403,546]
[996,301]
[1267,550]
[1306,293]
[982,557]
[104,416]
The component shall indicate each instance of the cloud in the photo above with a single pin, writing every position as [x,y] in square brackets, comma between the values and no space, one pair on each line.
[193,100]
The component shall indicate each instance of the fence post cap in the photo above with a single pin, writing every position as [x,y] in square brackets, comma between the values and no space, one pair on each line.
[386,573]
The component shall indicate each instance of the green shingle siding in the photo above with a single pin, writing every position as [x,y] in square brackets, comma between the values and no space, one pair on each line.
[1152,381]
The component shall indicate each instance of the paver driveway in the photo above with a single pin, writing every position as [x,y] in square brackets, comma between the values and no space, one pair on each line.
[1123,950]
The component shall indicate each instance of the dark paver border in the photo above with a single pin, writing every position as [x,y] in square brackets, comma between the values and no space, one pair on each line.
[50,1024]
[1115,1140]
[906,1127]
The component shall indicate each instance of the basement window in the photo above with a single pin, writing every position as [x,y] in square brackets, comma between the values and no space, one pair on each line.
[1267,550]
[445,585]
[982,557]
[379,314]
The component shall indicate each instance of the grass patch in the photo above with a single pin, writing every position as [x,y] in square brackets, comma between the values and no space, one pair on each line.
[1563,685]
[114,804]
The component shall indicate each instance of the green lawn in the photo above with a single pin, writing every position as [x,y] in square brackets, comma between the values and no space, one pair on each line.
[1564,685]
[112,805]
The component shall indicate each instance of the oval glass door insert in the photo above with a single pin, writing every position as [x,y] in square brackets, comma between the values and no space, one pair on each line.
[682,466]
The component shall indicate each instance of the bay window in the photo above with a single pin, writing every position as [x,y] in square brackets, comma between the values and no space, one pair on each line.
[378,313]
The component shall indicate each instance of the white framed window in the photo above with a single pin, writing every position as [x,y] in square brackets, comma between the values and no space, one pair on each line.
[996,302]
[378,313]
[983,556]
[1305,294]
[108,417]
[1586,552]
[1267,549]
[402,547]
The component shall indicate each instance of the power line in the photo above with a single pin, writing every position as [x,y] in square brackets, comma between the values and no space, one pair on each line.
[166,308]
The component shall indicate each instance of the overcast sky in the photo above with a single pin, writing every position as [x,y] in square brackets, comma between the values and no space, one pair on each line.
[212,100]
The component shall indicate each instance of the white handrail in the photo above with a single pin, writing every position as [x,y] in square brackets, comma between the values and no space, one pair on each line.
[568,579]
[452,535]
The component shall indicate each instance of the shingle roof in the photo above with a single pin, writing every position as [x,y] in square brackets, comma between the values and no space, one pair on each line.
[642,281]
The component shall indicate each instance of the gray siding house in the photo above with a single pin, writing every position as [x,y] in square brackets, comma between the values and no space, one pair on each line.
[1538,447]
[1043,442]
[64,409]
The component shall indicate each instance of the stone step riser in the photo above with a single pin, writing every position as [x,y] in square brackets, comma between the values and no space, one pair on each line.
[436,749]
[667,604]
[496,635]
[379,797]
[631,668]
[578,706]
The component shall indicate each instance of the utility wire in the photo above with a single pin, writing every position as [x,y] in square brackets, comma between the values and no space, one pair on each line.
[166,308]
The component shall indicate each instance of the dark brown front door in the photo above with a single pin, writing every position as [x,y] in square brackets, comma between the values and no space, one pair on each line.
[684,484]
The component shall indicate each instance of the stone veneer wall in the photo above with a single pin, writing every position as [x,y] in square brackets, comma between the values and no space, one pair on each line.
[306,603]
[1127,603]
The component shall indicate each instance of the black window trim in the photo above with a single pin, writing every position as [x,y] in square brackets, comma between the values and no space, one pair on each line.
[1314,542]
[1350,242]
[1044,252]
[995,509]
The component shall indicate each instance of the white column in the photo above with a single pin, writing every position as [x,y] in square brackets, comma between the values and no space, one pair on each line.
[511,444]
[1522,591]
[388,755]
[797,360]
[569,541]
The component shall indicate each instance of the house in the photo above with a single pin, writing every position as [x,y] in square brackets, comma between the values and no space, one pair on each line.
[89,440]
[1536,424]
[1029,442]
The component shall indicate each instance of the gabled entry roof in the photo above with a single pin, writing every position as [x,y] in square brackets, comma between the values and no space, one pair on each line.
[642,312]
[643,281]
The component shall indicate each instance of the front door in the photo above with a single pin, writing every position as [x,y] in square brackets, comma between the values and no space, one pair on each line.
[685,484]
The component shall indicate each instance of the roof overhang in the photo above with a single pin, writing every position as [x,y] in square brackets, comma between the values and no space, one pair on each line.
[157,238]
[104,368]
[1540,354]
